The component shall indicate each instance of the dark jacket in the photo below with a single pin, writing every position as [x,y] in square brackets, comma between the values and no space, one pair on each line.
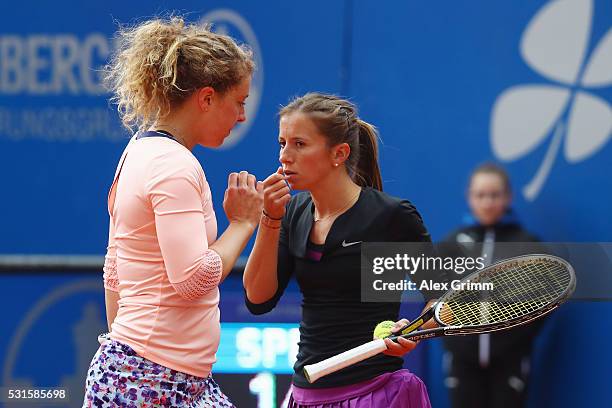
[466,241]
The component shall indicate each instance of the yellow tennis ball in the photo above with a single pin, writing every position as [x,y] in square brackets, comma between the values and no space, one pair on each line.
[383,329]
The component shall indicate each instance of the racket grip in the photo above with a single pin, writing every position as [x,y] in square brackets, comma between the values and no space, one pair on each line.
[313,372]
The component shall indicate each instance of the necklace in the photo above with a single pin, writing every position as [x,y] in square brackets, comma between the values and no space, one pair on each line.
[333,214]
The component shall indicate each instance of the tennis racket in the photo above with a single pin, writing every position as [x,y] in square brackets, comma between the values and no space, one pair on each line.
[509,293]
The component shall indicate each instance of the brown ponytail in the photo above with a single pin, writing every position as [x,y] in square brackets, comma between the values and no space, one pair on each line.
[368,172]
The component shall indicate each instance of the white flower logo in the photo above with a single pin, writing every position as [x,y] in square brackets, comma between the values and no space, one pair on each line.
[555,44]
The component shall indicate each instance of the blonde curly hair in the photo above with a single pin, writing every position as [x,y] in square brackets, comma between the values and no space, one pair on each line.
[161,62]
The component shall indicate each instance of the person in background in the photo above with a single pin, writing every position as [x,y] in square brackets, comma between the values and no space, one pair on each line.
[181,85]
[490,370]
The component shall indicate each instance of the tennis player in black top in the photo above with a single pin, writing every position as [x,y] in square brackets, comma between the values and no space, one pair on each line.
[315,236]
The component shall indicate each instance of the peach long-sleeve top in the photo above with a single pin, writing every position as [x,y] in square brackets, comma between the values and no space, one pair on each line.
[161,224]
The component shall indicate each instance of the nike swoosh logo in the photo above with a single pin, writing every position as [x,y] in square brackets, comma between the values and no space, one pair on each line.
[348,244]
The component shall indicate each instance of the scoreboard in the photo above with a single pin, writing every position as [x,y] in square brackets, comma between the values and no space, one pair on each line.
[255,362]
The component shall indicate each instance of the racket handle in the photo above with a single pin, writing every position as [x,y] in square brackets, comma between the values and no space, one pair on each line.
[313,372]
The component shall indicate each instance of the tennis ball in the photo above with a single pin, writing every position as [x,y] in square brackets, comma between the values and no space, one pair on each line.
[383,329]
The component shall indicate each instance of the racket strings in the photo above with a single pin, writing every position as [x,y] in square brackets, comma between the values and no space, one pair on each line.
[518,289]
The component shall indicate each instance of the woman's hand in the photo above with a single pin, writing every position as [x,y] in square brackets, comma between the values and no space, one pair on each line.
[276,194]
[403,346]
[243,199]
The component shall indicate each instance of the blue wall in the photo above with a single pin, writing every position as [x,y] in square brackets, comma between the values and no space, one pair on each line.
[435,78]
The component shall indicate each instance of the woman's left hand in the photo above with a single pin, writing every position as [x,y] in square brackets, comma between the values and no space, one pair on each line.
[403,346]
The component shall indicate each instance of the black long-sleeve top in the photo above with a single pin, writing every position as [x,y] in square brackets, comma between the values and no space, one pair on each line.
[333,317]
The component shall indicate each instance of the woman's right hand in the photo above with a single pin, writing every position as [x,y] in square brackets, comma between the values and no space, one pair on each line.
[276,194]
[243,199]
[403,345]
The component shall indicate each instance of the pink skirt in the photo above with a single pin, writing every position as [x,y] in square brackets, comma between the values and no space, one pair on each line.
[400,389]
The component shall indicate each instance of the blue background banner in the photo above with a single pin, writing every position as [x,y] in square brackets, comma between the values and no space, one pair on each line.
[527,84]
